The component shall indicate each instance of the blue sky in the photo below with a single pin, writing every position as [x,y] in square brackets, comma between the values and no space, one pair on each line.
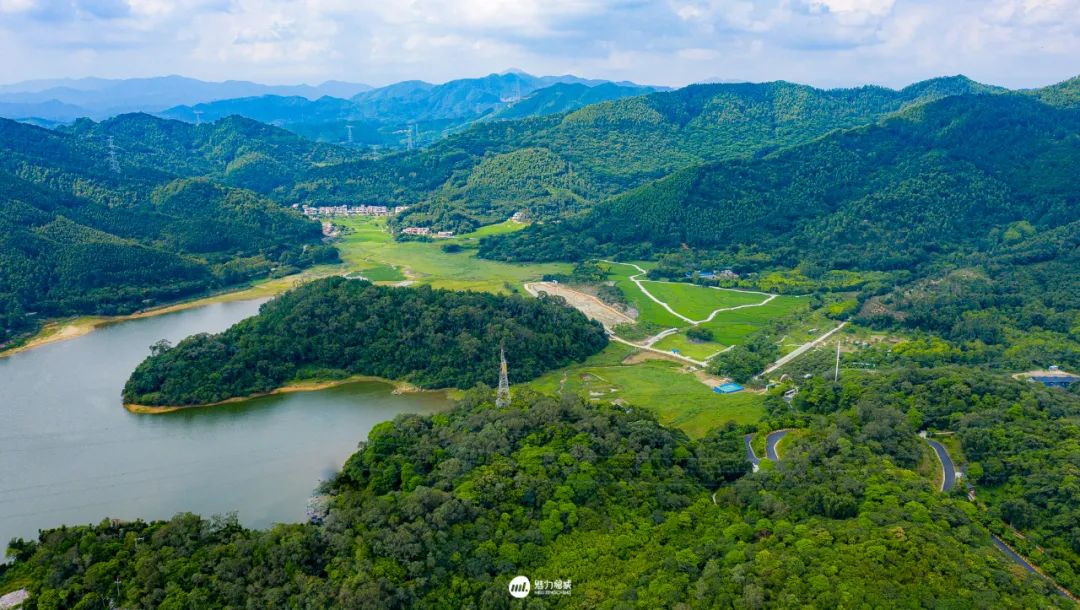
[1016,43]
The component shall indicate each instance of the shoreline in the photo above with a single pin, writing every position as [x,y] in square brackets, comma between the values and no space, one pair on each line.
[400,387]
[62,329]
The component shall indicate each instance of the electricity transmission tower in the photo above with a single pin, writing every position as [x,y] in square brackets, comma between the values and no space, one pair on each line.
[408,136]
[198,116]
[349,128]
[114,165]
[502,397]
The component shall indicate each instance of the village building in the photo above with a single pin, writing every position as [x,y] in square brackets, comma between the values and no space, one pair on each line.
[351,210]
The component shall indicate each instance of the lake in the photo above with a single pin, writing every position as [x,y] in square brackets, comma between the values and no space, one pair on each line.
[71,454]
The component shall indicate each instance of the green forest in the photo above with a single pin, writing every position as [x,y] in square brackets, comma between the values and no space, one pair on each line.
[439,511]
[935,179]
[956,217]
[940,221]
[82,235]
[335,328]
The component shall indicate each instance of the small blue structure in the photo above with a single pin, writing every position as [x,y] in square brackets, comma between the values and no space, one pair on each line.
[1056,381]
[675,351]
[728,388]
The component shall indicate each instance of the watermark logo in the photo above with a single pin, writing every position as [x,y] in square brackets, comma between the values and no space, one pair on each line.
[520,587]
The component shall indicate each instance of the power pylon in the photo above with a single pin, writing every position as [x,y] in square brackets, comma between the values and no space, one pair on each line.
[502,397]
[114,165]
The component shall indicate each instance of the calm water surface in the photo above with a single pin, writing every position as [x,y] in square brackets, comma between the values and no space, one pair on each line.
[70,453]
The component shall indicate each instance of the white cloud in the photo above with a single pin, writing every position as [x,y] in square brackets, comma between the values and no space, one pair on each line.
[16,6]
[826,42]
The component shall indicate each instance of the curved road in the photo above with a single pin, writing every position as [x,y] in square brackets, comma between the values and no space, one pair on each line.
[771,442]
[948,469]
[947,466]
[750,456]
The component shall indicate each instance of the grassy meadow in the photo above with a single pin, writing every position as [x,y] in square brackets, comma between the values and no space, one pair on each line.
[368,248]
[677,397]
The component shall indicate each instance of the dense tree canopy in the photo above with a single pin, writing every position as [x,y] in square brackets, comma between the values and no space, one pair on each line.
[1017,442]
[937,178]
[442,511]
[79,235]
[337,327]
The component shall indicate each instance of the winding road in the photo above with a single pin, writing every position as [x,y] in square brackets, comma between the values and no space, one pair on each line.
[947,467]
[771,441]
[948,470]
[636,279]
[750,456]
[949,476]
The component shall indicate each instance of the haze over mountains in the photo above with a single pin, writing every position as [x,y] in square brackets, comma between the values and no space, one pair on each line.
[65,100]
[333,111]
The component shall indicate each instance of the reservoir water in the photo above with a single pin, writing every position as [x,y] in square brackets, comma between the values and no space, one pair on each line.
[71,454]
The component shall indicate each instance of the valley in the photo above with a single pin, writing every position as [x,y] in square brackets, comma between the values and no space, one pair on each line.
[676,346]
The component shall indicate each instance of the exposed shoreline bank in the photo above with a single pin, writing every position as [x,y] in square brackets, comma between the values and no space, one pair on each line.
[400,387]
[63,329]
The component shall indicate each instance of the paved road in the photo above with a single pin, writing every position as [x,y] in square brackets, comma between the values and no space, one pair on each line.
[799,351]
[947,466]
[750,457]
[770,444]
[1004,548]
[669,353]
[949,469]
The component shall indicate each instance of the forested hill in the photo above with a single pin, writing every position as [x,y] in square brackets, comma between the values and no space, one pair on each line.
[548,166]
[442,511]
[80,234]
[235,151]
[947,176]
[337,327]
[604,149]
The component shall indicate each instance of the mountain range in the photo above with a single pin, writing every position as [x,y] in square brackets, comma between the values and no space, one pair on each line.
[390,116]
[415,112]
[65,100]
[557,163]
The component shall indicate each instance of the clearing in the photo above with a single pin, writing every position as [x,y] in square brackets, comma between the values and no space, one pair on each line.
[586,303]
[729,314]
[366,246]
[670,390]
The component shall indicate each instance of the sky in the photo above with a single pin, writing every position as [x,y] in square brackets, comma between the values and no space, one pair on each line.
[828,43]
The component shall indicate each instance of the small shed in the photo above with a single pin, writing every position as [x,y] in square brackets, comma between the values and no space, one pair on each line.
[728,388]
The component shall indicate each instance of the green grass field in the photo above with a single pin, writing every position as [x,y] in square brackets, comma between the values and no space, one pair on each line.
[368,248]
[697,302]
[648,310]
[383,273]
[507,226]
[731,327]
[686,347]
[677,398]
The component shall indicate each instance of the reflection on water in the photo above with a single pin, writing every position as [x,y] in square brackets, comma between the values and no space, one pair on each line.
[70,453]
